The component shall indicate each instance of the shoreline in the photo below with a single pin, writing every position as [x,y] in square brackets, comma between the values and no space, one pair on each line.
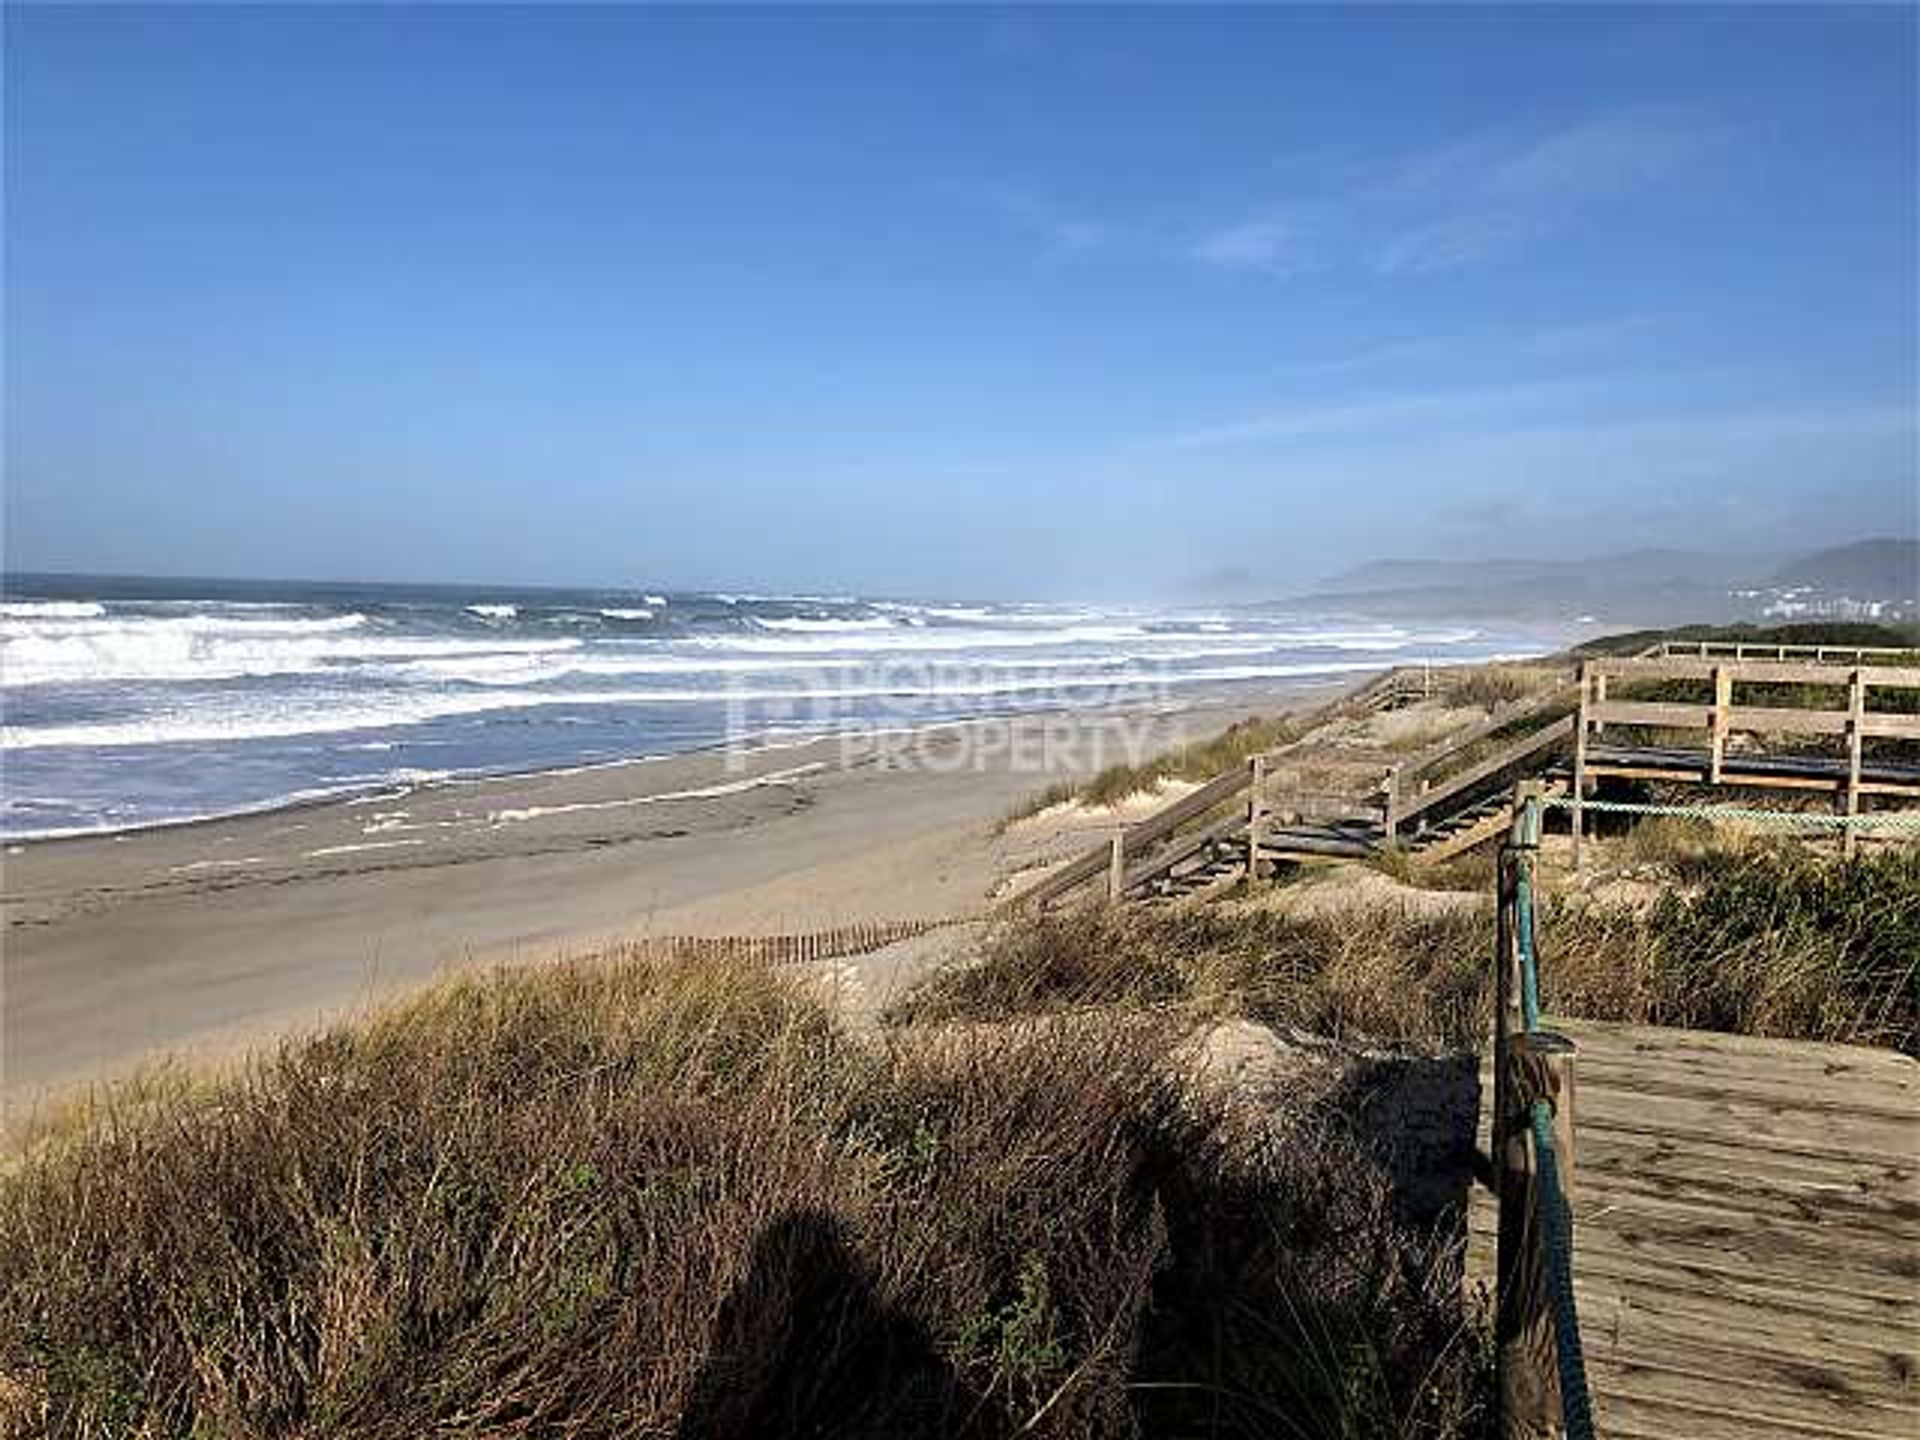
[754,743]
[229,931]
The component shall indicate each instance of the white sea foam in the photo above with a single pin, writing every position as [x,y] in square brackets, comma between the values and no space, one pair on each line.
[362,845]
[654,600]
[704,792]
[494,612]
[81,621]
[202,648]
[527,670]
[810,625]
[888,636]
[51,610]
[235,724]
[632,613]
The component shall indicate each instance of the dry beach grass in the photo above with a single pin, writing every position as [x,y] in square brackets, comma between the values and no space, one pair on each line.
[646,1198]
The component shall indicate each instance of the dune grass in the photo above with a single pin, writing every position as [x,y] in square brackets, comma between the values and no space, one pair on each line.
[1778,941]
[1384,971]
[1198,762]
[1493,685]
[632,1197]
[1764,939]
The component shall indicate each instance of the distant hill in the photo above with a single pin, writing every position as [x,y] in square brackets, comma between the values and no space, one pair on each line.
[1871,579]
[1880,569]
[1634,567]
[1641,587]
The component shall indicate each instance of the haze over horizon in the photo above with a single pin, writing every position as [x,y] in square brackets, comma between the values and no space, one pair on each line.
[951,302]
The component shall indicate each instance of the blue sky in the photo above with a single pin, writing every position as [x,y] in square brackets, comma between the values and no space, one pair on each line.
[963,301]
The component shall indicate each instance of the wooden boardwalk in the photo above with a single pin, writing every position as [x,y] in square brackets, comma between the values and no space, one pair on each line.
[1747,1235]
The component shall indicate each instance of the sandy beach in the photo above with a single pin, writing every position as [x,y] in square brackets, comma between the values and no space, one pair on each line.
[205,937]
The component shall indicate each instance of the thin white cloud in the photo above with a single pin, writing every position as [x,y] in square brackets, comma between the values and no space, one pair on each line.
[1384,415]
[1454,349]
[1062,235]
[1266,243]
[1492,199]
[1465,202]
[1589,336]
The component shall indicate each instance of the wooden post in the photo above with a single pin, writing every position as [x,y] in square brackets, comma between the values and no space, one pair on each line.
[1117,866]
[1722,699]
[1580,764]
[1517,853]
[1392,819]
[1256,812]
[1600,698]
[1539,1066]
[1856,723]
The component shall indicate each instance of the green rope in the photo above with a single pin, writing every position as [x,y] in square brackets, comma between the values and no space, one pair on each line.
[1529,973]
[1576,1405]
[1883,819]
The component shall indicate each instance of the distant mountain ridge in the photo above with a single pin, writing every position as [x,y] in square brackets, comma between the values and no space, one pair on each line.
[1869,579]
[1881,567]
[1633,566]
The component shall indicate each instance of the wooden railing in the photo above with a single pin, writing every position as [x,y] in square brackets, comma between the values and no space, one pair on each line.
[1131,840]
[1410,793]
[1517,753]
[1721,717]
[1752,650]
[1385,798]
[1403,683]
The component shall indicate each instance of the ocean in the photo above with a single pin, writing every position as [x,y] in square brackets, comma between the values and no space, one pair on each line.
[127,703]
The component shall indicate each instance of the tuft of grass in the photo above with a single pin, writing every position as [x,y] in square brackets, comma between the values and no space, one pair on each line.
[1491,686]
[1383,971]
[1473,871]
[1201,761]
[1682,845]
[640,1197]
[1058,793]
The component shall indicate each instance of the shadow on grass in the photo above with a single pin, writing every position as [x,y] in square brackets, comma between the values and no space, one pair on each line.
[884,1377]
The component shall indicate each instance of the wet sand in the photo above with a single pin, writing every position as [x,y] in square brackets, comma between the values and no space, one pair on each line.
[201,938]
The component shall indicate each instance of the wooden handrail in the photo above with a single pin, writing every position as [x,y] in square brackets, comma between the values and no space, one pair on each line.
[1539,740]
[1738,649]
[1480,729]
[1171,817]
[1055,883]
[1136,837]
[1753,671]
[1185,849]
[1785,720]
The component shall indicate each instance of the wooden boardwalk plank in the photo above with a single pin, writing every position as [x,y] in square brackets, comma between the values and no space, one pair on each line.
[1747,1235]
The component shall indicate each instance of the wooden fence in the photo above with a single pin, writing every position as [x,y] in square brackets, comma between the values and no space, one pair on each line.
[1750,650]
[1722,717]
[841,940]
